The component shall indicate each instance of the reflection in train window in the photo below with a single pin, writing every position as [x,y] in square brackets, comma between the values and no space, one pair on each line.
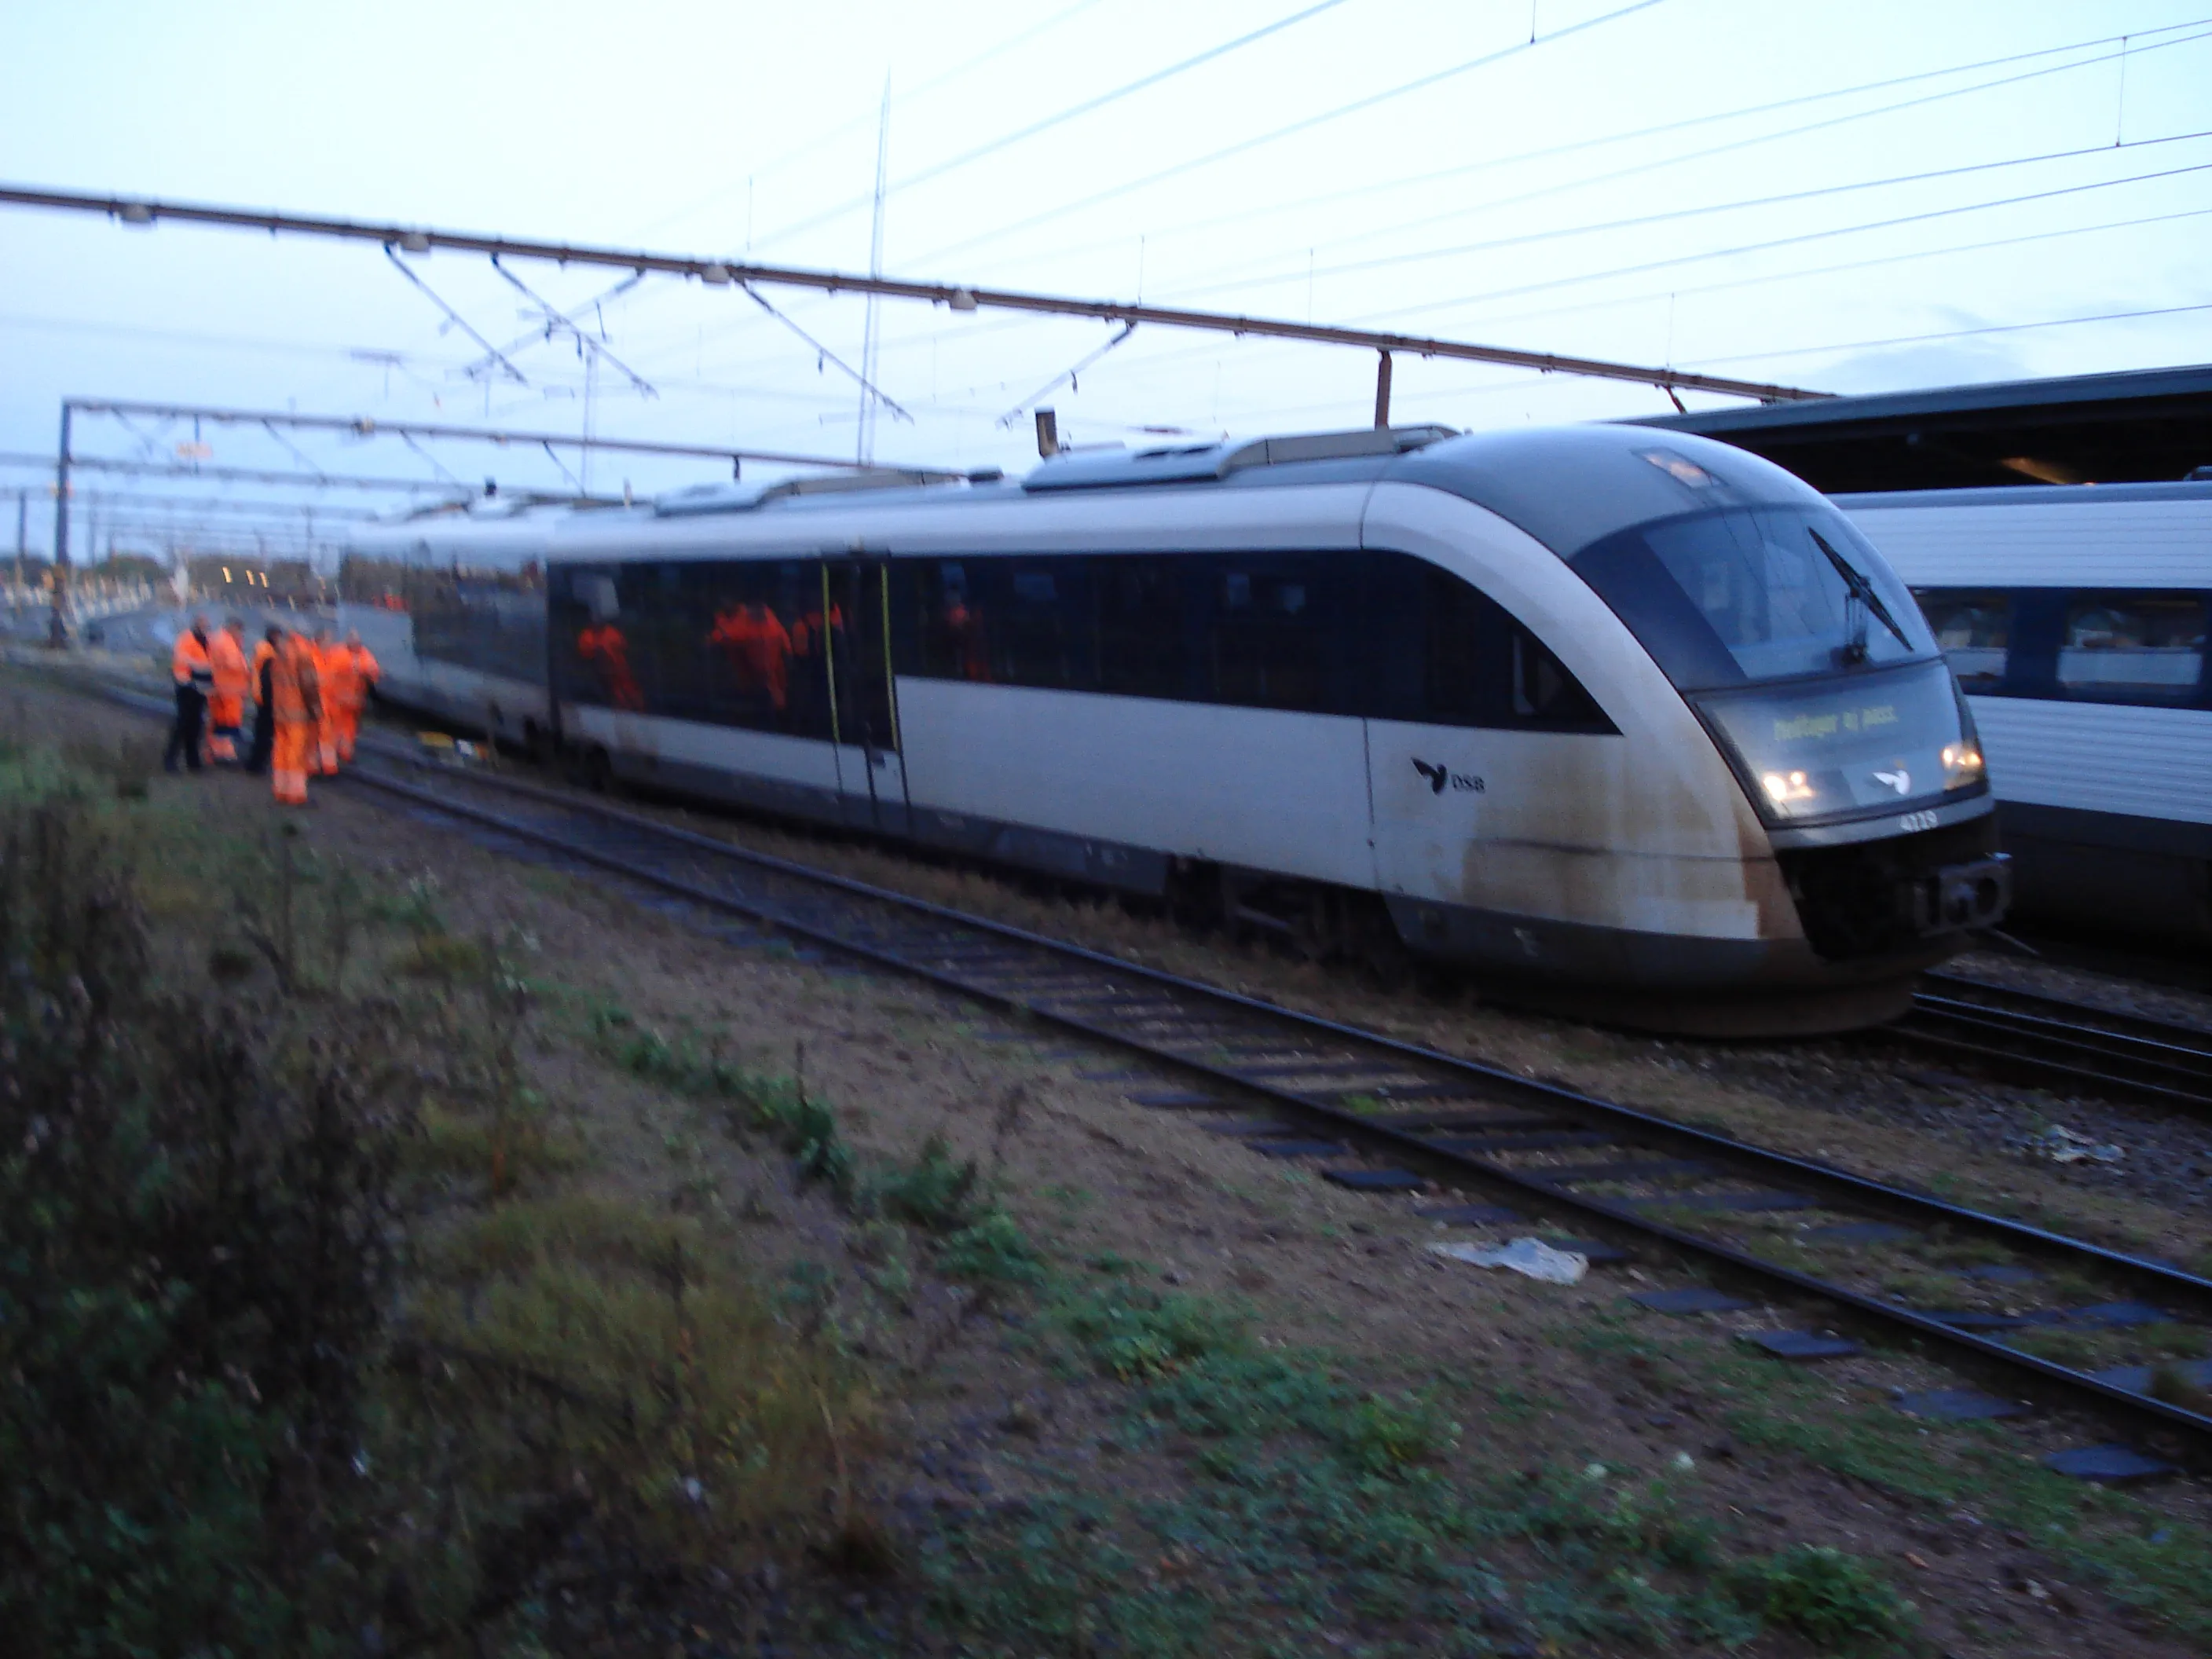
[2133,647]
[1974,629]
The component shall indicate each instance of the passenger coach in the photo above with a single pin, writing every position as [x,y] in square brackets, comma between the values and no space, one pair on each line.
[1635,715]
[2075,618]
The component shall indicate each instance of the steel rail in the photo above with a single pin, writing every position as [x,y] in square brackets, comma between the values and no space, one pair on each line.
[2055,1042]
[2052,1380]
[736,273]
[2143,1410]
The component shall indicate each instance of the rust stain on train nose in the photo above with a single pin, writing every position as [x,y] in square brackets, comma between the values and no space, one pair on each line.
[1596,836]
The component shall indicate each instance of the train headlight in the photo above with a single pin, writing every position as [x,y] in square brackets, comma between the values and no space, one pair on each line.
[1784,787]
[1962,765]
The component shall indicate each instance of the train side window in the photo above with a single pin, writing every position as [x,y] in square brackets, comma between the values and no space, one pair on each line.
[750,634]
[1482,667]
[1268,645]
[1143,650]
[1975,631]
[1041,637]
[591,639]
[2133,647]
[1454,657]
[1545,694]
[951,615]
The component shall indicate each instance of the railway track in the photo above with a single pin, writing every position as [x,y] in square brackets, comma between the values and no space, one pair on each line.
[2053,1042]
[1468,1143]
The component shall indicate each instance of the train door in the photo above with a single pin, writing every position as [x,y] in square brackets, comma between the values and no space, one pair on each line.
[863,699]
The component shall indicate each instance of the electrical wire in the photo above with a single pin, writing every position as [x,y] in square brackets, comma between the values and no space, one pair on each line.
[1549,192]
[1398,261]
[1798,240]
[1651,295]
[1061,117]
[1400,314]
[768,169]
[1365,190]
[1305,125]
[1955,334]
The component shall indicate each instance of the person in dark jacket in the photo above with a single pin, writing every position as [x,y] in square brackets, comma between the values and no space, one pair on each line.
[264,713]
[193,671]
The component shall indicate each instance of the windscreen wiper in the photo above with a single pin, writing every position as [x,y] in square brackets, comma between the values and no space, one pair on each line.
[1859,588]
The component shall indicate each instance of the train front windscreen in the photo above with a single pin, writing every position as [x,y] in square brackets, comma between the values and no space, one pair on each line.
[1804,654]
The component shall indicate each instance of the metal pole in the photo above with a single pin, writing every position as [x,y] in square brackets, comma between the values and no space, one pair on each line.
[724,273]
[58,625]
[1383,389]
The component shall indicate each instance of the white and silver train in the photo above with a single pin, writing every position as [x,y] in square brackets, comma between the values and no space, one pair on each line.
[2075,618]
[1634,713]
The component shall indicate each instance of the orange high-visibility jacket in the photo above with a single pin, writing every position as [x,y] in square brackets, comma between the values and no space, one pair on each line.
[227,662]
[264,654]
[335,664]
[294,688]
[367,671]
[189,664]
[348,673]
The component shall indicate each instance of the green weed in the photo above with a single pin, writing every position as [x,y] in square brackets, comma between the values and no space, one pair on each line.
[1835,1600]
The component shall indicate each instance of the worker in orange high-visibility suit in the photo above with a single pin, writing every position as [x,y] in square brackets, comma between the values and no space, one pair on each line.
[351,670]
[295,696]
[227,708]
[265,713]
[323,760]
[194,674]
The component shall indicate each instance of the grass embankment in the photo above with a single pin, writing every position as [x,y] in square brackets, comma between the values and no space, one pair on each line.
[319,1318]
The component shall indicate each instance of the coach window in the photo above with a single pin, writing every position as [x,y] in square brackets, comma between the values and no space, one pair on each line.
[2133,647]
[1974,629]
[590,650]
[1143,650]
[1270,634]
[1041,637]
[951,617]
[751,631]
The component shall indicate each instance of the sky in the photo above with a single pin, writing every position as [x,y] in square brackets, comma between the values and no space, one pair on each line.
[1842,195]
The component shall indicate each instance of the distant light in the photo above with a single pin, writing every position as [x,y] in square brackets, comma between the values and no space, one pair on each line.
[415,241]
[962,299]
[714,275]
[226,573]
[135,213]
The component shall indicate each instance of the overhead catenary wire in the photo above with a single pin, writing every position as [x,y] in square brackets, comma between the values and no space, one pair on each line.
[1957,334]
[1214,221]
[218,474]
[365,426]
[1641,221]
[1799,238]
[957,296]
[1067,374]
[1089,106]
[1367,189]
[455,317]
[769,168]
[824,355]
[1246,276]
[1808,273]
[1308,123]
[556,319]
[1672,262]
